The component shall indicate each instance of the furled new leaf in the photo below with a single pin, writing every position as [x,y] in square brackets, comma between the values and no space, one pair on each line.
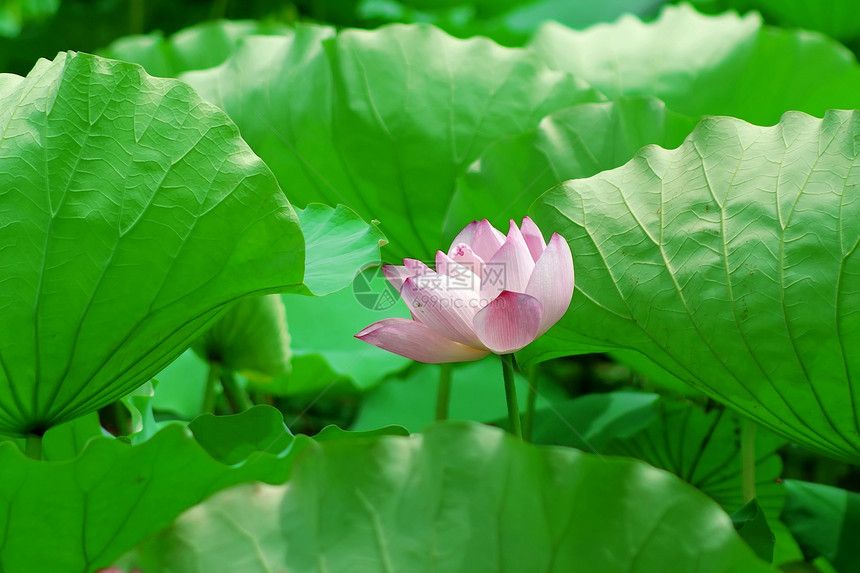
[131,214]
[733,263]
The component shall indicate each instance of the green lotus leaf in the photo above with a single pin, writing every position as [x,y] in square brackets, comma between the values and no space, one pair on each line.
[382,121]
[708,65]
[82,513]
[459,498]
[825,520]
[732,263]
[198,47]
[589,422]
[703,448]
[571,143]
[132,215]
[250,338]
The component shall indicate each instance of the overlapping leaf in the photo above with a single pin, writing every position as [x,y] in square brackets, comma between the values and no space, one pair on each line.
[82,513]
[576,142]
[709,65]
[732,262]
[196,48]
[131,215]
[466,498]
[382,121]
[703,448]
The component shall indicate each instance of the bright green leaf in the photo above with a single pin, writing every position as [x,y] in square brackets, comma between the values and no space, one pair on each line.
[732,263]
[460,498]
[708,65]
[339,245]
[382,121]
[132,214]
[569,144]
[325,351]
[202,46]
[83,513]
[231,439]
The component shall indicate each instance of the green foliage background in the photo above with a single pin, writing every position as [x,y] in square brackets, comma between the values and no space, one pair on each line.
[699,159]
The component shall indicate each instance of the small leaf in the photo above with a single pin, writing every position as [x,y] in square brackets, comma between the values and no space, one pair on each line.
[751,523]
[231,439]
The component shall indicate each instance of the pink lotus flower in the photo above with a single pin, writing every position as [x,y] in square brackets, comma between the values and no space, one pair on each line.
[490,293]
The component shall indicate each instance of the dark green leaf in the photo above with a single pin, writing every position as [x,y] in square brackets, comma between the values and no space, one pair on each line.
[825,520]
[751,523]
[704,449]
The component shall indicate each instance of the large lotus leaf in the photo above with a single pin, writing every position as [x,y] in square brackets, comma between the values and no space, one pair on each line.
[709,65]
[385,120]
[196,48]
[131,215]
[704,449]
[81,514]
[732,263]
[459,498]
[576,142]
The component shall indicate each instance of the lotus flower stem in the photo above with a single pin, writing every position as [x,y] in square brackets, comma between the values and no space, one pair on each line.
[443,396]
[531,400]
[211,382]
[235,394]
[511,395]
[748,459]
[33,446]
